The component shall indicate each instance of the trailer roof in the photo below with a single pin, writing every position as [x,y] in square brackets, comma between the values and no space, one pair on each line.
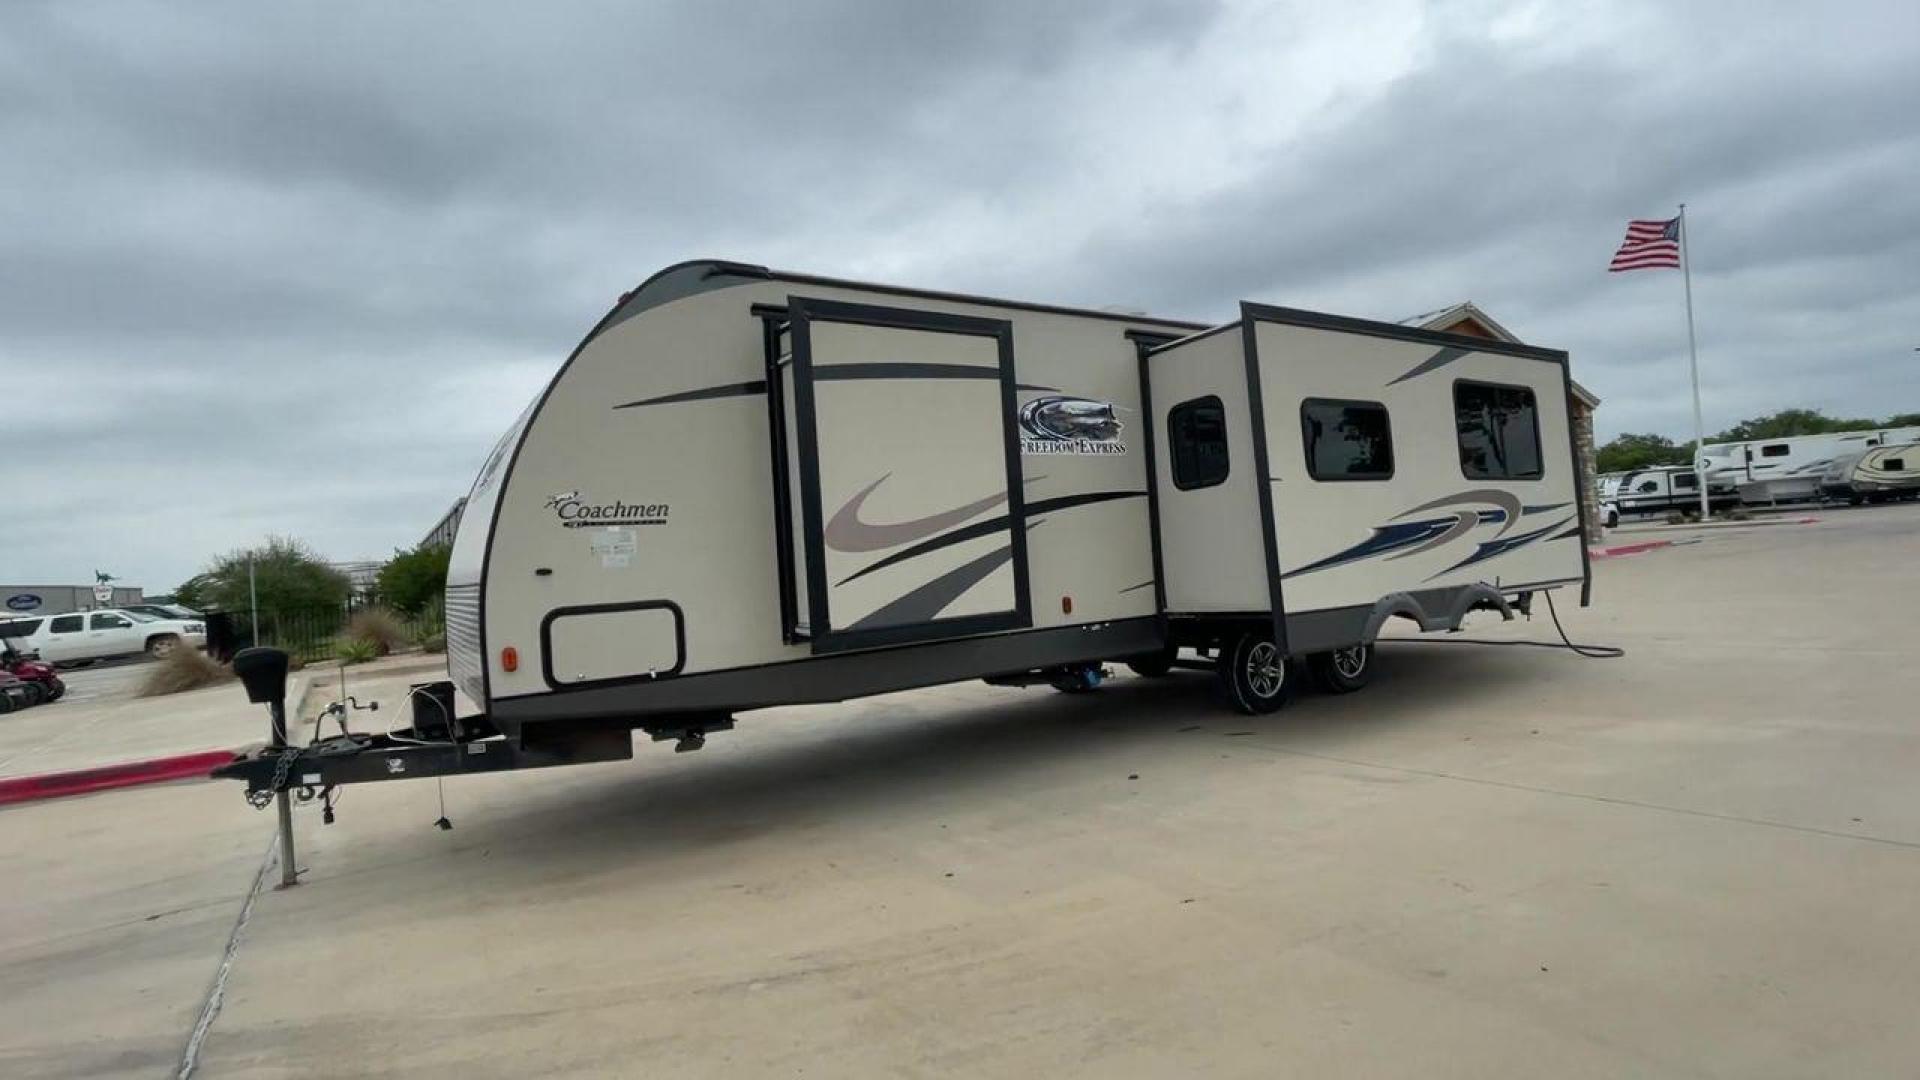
[703,275]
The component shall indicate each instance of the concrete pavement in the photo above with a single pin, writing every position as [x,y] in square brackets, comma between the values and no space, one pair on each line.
[1698,860]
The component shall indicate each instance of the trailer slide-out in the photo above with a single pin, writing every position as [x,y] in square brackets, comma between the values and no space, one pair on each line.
[749,488]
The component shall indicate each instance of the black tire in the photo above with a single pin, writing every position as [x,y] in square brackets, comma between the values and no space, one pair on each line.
[1613,519]
[56,691]
[1342,671]
[35,694]
[1153,665]
[1255,674]
[160,645]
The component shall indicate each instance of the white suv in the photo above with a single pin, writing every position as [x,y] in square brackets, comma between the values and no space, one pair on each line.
[82,636]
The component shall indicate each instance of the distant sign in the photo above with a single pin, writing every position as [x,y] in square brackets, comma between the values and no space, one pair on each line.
[25,601]
[103,593]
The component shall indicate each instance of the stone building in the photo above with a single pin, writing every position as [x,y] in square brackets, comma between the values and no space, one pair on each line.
[1466,318]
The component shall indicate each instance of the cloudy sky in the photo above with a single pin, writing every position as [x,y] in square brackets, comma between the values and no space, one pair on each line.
[291,268]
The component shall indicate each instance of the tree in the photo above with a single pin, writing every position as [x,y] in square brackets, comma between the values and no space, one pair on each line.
[1630,451]
[412,580]
[286,577]
[1905,419]
[1790,422]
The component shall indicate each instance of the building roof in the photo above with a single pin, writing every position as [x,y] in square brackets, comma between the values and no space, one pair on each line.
[1466,317]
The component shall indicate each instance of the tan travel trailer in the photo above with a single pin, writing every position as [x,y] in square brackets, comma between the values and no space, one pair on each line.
[1875,474]
[749,488]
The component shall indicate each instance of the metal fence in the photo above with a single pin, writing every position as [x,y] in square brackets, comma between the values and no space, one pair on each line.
[307,634]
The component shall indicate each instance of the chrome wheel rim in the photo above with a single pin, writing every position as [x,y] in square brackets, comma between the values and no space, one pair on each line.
[1266,669]
[1350,662]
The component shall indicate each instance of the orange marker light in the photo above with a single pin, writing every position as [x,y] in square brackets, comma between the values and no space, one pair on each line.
[510,658]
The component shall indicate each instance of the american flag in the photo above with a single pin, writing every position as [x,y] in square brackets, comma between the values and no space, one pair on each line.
[1649,245]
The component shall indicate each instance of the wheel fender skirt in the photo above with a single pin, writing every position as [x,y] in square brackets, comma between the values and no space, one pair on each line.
[1445,611]
[1392,605]
[1479,597]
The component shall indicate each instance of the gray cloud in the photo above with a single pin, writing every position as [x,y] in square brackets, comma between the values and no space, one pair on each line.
[292,268]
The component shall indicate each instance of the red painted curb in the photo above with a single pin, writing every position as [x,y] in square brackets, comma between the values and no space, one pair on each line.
[19,789]
[1628,549]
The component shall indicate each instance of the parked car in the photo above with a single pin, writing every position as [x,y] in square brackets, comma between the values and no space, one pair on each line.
[83,636]
[18,659]
[163,611]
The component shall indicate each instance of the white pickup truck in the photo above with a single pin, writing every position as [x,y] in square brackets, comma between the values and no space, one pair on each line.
[82,636]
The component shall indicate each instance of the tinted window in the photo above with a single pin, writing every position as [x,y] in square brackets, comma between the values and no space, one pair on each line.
[1499,430]
[1197,443]
[110,621]
[20,627]
[66,624]
[1346,440]
[1776,450]
[1894,464]
[1686,480]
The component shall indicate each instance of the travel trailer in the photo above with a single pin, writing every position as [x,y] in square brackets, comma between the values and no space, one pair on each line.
[1791,469]
[1663,489]
[749,488]
[1876,474]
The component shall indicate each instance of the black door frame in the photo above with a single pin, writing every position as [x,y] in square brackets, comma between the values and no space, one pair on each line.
[822,635]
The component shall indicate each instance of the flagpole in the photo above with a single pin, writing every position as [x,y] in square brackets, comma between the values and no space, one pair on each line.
[1693,358]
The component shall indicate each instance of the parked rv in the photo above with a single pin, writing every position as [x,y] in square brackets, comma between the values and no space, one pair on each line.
[1876,474]
[1792,469]
[748,488]
[1663,489]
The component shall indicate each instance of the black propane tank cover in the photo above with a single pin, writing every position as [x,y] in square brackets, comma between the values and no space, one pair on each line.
[263,671]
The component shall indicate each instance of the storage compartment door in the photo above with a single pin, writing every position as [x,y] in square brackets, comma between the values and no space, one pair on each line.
[909,475]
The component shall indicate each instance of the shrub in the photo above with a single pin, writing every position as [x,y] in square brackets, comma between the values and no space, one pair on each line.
[182,669]
[379,628]
[353,650]
[433,641]
[413,579]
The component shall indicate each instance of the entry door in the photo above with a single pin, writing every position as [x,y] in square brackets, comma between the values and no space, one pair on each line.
[911,519]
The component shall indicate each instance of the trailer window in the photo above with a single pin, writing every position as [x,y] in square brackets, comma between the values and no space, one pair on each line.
[1776,450]
[1346,440]
[1499,429]
[1686,480]
[1197,441]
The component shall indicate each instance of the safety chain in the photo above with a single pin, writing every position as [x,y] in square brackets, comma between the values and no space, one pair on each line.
[259,799]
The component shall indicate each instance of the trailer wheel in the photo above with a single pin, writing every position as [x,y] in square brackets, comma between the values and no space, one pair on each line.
[1255,675]
[1342,671]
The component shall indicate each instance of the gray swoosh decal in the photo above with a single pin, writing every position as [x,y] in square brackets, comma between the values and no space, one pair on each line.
[1432,363]
[990,526]
[925,603]
[1503,500]
[846,532]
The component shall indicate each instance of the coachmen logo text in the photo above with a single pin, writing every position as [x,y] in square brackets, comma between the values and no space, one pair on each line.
[577,513]
[1058,424]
